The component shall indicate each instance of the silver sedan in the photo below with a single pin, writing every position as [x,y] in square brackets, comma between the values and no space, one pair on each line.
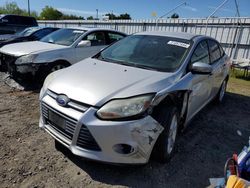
[130,100]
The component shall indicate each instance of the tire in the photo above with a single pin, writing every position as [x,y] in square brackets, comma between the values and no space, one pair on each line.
[220,95]
[57,66]
[168,117]
[44,71]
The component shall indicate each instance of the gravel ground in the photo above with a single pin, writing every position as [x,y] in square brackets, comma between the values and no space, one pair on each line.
[28,157]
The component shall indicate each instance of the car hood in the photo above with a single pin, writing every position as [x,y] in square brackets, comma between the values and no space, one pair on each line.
[6,37]
[95,82]
[24,48]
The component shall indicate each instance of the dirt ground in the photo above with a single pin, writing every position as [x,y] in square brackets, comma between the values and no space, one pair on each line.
[28,157]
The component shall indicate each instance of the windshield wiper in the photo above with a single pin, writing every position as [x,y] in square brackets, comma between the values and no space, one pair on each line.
[145,67]
[100,57]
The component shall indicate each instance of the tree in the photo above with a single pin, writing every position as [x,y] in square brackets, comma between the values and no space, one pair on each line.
[90,18]
[12,8]
[125,16]
[71,17]
[111,16]
[175,15]
[49,13]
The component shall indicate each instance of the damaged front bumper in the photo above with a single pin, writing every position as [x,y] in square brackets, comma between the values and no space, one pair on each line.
[123,142]
[27,68]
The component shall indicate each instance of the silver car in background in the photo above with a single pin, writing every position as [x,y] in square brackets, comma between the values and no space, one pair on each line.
[130,100]
[57,50]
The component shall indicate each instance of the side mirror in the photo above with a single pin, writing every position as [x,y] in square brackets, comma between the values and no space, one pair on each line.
[84,43]
[201,68]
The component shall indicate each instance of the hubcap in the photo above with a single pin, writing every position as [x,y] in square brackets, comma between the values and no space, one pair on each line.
[57,67]
[172,134]
[222,91]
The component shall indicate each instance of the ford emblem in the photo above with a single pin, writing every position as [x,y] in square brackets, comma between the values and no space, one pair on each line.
[62,100]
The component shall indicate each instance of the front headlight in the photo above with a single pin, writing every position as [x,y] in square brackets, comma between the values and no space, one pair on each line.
[124,108]
[46,83]
[26,59]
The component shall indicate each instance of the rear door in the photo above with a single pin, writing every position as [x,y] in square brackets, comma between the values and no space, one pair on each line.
[113,37]
[217,62]
[201,83]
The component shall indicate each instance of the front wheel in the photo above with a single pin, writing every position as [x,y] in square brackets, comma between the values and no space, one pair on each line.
[169,118]
[56,67]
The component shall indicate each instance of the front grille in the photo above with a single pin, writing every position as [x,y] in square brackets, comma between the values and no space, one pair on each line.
[69,130]
[85,140]
[72,103]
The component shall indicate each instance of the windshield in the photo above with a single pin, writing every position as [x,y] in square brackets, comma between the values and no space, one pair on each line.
[28,31]
[65,37]
[147,51]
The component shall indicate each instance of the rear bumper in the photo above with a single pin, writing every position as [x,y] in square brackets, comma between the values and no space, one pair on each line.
[140,134]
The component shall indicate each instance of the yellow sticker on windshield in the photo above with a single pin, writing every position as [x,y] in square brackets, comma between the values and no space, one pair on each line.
[181,44]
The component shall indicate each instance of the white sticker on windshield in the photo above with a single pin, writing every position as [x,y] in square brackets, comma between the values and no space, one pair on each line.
[181,44]
[78,31]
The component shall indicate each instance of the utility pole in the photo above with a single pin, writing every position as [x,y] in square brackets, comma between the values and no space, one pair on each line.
[29,7]
[218,8]
[97,14]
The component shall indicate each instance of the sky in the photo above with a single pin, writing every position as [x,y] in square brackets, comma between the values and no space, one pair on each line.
[139,9]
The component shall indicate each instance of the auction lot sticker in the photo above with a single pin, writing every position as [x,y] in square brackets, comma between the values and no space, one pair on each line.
[181,44]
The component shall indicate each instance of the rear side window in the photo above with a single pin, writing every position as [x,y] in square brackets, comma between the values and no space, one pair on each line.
[11,19]
[201,53]
[215,53]
[113,37]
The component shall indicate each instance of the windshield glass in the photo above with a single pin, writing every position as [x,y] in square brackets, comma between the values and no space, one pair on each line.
[65,37]
[28,31]
[147,51]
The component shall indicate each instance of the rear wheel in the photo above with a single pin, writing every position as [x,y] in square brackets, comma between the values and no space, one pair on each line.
[220,96]
[169,118]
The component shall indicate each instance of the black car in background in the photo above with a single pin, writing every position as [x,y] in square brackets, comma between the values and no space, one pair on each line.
[11,24]
[29,34]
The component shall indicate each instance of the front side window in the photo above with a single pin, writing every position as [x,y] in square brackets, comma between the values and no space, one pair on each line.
[96,38]
[65,37]
[159,53]
[214,49]
[201,54]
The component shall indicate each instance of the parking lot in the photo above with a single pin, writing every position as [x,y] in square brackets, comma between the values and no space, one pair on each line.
[28,157]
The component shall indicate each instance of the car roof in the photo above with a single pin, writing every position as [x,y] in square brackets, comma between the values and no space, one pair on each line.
[181,35]
[93,29]
[3,15]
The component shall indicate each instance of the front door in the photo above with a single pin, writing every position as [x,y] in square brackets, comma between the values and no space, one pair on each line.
[98,42]
[201,83]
